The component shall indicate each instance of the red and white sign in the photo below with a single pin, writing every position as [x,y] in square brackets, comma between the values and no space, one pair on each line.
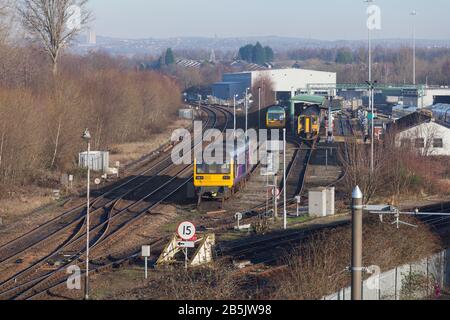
[186,230]
[276,192]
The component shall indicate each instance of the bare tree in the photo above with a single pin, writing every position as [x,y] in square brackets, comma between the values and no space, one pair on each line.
[355,159]
[6,19]
[267,91]
[54,23]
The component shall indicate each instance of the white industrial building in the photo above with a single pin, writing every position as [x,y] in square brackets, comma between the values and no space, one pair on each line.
[285,81]
[426,96]
[424,134]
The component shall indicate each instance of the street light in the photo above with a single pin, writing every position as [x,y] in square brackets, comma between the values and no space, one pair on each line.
[234,115]
[259,108]
[87,137]
[413,14]
[371,85]
[371,98]
[199,96]
[246,113]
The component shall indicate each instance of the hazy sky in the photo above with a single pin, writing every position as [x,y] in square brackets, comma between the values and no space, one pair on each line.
[319,19]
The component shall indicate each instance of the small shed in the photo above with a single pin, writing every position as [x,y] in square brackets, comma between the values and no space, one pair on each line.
[322,202]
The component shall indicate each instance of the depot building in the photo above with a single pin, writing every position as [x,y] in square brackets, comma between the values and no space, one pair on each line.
[285,82]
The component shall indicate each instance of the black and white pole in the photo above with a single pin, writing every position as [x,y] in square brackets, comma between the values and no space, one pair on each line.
[356,269]
[87,137]
[284,178]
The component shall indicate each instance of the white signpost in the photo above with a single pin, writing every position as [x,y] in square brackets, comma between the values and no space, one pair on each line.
[186,231]
[146,254]
[238,217]
[298,199]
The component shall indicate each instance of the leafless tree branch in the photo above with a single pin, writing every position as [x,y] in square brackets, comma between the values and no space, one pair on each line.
[53,23]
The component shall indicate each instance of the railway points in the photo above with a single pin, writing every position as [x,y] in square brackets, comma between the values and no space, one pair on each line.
[127,203]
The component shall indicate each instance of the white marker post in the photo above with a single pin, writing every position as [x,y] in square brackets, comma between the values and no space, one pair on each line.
[298,200]
[238,217]
[146,254]
[186,231]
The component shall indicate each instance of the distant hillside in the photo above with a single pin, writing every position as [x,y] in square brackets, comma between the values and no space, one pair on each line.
[155,46]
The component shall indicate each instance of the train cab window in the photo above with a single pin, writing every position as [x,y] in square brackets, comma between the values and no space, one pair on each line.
[276,117]
[213,168]
[438,143]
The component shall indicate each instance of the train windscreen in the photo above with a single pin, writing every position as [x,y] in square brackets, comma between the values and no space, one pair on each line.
[276,116]
[213,168]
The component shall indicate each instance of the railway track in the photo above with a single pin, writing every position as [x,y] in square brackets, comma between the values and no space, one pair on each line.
[269,249]
[108,223]
[296,175]
[346,127]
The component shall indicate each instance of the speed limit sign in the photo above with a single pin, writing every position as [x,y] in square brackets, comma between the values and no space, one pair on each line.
[186,230]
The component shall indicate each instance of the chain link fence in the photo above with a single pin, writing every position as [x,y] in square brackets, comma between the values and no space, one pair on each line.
[419,280]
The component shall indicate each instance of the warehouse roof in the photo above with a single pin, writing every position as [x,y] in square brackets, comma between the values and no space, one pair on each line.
[306,98]
[410,121]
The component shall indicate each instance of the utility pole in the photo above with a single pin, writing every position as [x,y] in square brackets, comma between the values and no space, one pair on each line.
[371,85]
[246,114]
[330,137]
[234,116]
[413,15]
[259,108]
[371,98]
[199,103]
[87,137]
[275,196]
[284,187]
[357,217]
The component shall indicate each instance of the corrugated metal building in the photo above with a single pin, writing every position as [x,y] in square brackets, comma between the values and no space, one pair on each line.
[284,81]
[226,90]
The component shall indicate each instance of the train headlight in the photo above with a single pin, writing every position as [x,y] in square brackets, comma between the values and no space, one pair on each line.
[226,178]
[200,178]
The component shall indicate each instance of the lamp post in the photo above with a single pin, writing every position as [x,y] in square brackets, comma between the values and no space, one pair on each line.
[371,98]
[372,127]
[246,113]
[234,115]
[87,137]
[413,14]
[259,108]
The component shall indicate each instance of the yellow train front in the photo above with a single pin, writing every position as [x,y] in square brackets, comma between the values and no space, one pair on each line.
[276,118]
[308,126]
[220,181]
[213,180]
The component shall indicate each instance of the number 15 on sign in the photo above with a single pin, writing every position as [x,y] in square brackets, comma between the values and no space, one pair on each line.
[186,230]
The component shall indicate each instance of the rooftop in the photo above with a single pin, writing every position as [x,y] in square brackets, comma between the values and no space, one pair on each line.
[306,98]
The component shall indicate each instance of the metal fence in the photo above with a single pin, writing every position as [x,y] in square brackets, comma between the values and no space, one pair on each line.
[395,284]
